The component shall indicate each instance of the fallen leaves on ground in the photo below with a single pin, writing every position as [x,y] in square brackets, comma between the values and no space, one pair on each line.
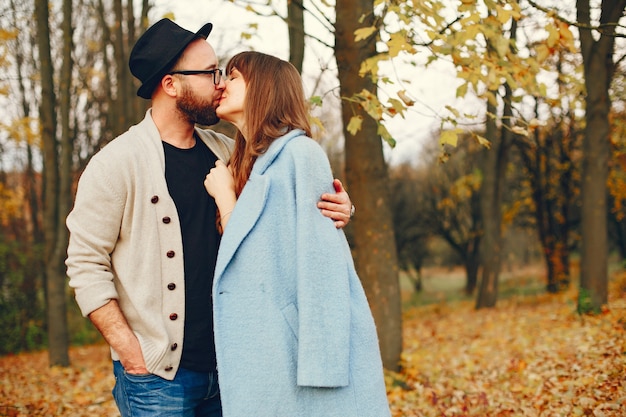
[30,387]
[531,356]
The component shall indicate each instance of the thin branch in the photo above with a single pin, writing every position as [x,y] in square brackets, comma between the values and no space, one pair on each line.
[604,28]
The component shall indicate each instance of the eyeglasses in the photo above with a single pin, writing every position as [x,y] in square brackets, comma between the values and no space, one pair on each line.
[217,74]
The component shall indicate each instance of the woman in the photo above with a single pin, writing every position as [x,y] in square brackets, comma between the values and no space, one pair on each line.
[294,335]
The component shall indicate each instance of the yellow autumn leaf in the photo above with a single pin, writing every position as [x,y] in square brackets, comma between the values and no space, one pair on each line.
[355,124]
[504,15]
[567,37]
[405,98]
[483,141]
[553,36]
[543,52]
[364,33]
[502,46]
[461,90]
[370,65]
[398,43]
[449,137]
[452,110]
[316,122]
[396,107]
[384,133]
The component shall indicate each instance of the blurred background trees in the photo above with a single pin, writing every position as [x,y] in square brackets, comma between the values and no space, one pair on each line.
[533,171]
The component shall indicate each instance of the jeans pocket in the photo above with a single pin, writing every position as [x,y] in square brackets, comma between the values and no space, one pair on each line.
[141,378]
[213,389]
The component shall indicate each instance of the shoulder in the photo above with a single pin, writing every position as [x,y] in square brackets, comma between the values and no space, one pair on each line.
[220,144]
[213,135]
[304,148]
[120,150]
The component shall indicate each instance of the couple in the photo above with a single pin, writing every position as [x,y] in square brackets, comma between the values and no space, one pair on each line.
[285,320]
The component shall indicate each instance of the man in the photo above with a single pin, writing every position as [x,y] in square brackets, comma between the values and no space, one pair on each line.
[143,236]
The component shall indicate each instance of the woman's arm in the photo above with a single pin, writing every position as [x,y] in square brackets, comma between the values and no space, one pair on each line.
[322,275]
[220,185]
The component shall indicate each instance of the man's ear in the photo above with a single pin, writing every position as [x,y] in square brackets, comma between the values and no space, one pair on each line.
[169,85]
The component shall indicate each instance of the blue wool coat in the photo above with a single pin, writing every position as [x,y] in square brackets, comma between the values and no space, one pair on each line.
[294,334]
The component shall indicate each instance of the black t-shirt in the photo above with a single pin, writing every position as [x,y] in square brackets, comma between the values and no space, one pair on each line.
[185,170]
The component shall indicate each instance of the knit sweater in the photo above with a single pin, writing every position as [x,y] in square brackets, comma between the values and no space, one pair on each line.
[126,244]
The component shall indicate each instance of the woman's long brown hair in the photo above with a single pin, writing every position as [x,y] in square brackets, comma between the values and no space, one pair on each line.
[274,104]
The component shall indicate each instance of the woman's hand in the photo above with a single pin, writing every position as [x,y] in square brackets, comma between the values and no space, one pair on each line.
[220,185]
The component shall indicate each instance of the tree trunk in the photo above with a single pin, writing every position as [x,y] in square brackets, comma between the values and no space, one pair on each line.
[55,290]
[123,73]
[295,25]
[31,185]
[557,259]
[135,109]
[472,256]
[110,115]
[472,264]
[618,226]
[367,179]
[599,69]
[491,194]
[32,280]
[491,216]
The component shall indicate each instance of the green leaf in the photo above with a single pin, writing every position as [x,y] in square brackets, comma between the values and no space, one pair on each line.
[315,101]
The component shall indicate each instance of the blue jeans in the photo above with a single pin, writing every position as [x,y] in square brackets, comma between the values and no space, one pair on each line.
[190,394]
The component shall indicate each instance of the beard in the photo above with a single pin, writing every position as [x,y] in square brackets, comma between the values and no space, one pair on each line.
[195,109]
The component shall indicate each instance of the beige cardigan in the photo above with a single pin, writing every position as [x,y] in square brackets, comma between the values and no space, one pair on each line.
[125,241]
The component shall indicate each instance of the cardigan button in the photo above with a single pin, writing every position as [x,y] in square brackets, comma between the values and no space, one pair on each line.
[154,199]
[173,316]
[174,347]
[170,253]
[171,286]
[167,219]
[168,368]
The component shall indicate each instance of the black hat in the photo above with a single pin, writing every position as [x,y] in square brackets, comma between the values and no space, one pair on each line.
[156,51]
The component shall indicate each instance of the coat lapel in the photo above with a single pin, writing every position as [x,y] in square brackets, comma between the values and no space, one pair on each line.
[243,218]
[250,204]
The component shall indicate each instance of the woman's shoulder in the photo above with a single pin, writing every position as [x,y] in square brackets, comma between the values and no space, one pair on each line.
[304,145]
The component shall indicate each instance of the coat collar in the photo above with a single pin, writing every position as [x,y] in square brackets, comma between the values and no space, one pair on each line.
[266,159]
[253,198]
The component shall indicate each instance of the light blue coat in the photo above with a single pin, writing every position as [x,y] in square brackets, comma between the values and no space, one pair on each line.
[294,334]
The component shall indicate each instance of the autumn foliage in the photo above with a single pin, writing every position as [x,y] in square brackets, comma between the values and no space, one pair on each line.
[532,356]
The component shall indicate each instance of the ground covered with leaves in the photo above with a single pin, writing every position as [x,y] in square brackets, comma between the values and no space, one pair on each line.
[530,356]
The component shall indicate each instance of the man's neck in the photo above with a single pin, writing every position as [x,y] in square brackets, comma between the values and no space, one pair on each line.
[174,129]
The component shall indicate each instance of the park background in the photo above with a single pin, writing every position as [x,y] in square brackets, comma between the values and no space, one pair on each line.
[481,141]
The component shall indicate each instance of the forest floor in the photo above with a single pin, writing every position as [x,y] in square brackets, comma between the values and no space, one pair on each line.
[532,355]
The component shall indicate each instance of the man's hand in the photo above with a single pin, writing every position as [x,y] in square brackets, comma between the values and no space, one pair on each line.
[337,206]
[110,321]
